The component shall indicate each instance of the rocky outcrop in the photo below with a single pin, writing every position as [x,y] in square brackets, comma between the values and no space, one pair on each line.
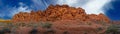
[65,19]
[58,12]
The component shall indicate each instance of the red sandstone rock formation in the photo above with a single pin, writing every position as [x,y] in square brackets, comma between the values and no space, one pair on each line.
[53,13]
[65,18]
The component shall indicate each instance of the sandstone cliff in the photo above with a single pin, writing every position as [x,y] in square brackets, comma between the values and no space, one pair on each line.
[58,12]
[64,18]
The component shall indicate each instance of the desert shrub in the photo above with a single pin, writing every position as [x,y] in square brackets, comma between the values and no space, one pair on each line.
[22,24]
[114,29]
[30,24]
[35,25]
[46,25]
[48,31]
[65,32]
[2,24]
[100,28]
[89,23]
[5,30]
[85,32]
[2,32]
[10,25]
[101,22]
[33,31]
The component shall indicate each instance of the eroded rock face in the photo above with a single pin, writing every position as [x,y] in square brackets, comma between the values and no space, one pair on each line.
[65,18]
[58,12]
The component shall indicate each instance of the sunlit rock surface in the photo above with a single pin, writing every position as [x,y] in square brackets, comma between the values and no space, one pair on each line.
[65,19]
[58,12]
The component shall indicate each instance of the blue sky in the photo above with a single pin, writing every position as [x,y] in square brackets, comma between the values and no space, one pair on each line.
[111,8]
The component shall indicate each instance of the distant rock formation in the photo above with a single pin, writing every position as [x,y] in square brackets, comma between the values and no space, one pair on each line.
[58,12]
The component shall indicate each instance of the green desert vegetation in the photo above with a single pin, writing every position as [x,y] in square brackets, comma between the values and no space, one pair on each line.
[113,29]
[49,31]
[33,31]
[11,27]
[46,25]
[5,30]
[65,32]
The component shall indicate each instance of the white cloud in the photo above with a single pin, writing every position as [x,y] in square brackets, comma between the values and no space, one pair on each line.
[22,8]
[39,4]
[95,6]
[73,3]
[90,6]
[69,2]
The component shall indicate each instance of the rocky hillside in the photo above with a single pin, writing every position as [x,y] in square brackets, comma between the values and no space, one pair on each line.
[60,19]
[58,12]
